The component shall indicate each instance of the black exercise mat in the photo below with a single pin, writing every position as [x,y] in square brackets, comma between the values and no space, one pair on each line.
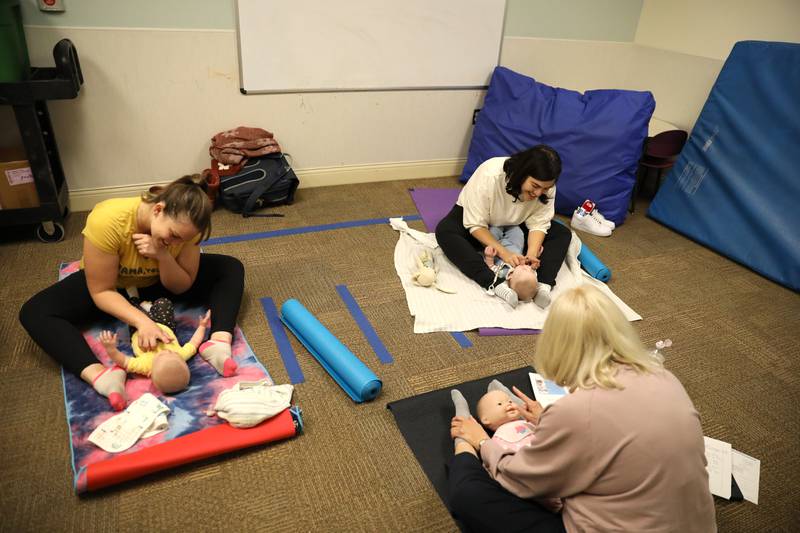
[424,421]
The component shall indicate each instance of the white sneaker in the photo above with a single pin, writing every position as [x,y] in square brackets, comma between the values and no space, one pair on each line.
[603,220]
[583,221]
[591,208]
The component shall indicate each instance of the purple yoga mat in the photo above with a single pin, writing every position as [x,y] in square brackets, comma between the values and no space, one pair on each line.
[494,332]
[433,205]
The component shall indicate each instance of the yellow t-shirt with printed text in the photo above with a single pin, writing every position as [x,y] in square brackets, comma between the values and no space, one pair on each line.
[110,227]
[143,362]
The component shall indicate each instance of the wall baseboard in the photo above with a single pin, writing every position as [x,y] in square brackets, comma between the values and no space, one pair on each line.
[86,199]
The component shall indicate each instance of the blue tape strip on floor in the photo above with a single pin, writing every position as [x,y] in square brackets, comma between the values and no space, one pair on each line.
[363,323]
[305,229]
[282,340]
[461,339]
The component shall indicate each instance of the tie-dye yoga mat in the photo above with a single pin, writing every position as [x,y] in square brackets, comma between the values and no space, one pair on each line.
[192,435]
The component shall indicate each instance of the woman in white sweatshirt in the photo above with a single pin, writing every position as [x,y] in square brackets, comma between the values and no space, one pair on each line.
[505,191]
[624,451]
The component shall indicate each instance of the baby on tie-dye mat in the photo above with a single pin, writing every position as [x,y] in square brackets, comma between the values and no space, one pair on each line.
[192,435]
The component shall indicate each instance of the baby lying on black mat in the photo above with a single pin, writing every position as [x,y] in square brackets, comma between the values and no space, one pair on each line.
[511,419]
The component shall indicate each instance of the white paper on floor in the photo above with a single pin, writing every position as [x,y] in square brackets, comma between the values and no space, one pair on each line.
[471,307]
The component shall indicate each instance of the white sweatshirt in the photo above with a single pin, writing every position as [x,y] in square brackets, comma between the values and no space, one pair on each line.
[486,202]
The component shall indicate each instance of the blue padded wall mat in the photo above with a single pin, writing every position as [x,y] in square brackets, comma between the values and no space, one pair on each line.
[736,185]
[599,135]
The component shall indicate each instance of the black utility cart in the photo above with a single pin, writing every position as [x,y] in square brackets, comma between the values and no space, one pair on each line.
[29,100]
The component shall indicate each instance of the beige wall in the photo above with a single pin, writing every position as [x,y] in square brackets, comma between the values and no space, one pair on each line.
[679,82]
[709,28]
[153,98]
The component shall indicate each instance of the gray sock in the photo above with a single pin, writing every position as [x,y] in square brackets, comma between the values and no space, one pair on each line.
[542,298]
[506,293]
[496,385]
[462,407]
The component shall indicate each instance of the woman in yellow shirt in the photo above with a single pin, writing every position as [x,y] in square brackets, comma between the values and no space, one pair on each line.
[150,243]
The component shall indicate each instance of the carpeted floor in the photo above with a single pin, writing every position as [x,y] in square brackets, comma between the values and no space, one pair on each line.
[735,338]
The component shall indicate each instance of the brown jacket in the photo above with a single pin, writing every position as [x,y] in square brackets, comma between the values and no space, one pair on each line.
[233,147]
[622,460]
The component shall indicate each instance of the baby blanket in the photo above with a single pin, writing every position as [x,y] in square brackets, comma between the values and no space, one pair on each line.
[192,435]
[471,307]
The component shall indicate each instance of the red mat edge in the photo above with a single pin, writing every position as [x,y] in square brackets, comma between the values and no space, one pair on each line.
[196,446]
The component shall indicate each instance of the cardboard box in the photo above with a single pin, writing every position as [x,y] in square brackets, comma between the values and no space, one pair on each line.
[17,188]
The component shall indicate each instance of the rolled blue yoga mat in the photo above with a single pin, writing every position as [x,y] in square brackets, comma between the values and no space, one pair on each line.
[593,265]
[358,381]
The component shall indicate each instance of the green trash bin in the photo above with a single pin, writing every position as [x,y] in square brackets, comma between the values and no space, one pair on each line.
[14,62]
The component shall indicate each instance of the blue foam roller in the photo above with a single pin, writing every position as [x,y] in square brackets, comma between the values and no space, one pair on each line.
[357,380]
[593,265]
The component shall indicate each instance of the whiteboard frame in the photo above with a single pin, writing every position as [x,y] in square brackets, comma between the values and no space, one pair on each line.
[358,89]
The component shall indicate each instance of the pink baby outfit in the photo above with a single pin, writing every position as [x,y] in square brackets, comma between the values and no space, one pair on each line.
[514,435]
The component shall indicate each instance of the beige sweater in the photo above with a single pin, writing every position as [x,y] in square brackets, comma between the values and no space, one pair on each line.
[486,202]
[622,460]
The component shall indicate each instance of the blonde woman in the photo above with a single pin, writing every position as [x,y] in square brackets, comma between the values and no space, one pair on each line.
[624,451]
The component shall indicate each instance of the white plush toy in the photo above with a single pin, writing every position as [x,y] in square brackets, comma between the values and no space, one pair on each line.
[426,271]
[425,276]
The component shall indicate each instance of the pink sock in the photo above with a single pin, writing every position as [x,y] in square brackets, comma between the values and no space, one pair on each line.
[111,384]
[218,355]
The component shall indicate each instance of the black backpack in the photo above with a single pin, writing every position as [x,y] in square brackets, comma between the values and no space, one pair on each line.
[262,182]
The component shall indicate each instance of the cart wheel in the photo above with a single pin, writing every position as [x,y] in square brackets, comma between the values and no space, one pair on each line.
[50,232]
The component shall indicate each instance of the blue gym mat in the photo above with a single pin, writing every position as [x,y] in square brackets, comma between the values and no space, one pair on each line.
[735,187]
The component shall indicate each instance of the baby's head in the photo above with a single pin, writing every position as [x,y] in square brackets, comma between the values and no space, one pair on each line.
[524,282]
[170,373]
[495,408]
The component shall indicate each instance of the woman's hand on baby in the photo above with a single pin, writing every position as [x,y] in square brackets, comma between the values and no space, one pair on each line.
[147,245]
[533,259]
[532,409]
[468,429]
[534,262]
[512,258]
[108,340]
[205,320]
[150,334]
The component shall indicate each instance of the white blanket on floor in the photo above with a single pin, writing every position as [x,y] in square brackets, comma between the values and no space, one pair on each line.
[471,307]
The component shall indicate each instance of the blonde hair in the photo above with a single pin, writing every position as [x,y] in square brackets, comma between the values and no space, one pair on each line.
[186,196]
[586,337]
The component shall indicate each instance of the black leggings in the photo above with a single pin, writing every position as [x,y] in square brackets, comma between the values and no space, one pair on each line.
[55,317]
[461,248]
[482,504]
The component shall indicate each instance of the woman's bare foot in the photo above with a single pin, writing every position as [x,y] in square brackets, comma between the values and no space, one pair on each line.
[489,254]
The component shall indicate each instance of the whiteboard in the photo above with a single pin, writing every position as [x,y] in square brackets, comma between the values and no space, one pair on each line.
[341,45]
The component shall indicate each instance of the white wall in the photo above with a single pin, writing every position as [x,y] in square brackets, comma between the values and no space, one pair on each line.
[153,98]
[710,28]
[679,49]
[679,82]
[154,95]
[162,77]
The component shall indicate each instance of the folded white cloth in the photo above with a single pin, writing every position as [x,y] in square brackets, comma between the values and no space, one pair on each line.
[426,239]
[248,403]
[471,307]
[143,418]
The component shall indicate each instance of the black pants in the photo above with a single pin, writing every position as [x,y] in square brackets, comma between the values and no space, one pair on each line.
[481,504]
[461,249]
[162,311]
[55,316]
